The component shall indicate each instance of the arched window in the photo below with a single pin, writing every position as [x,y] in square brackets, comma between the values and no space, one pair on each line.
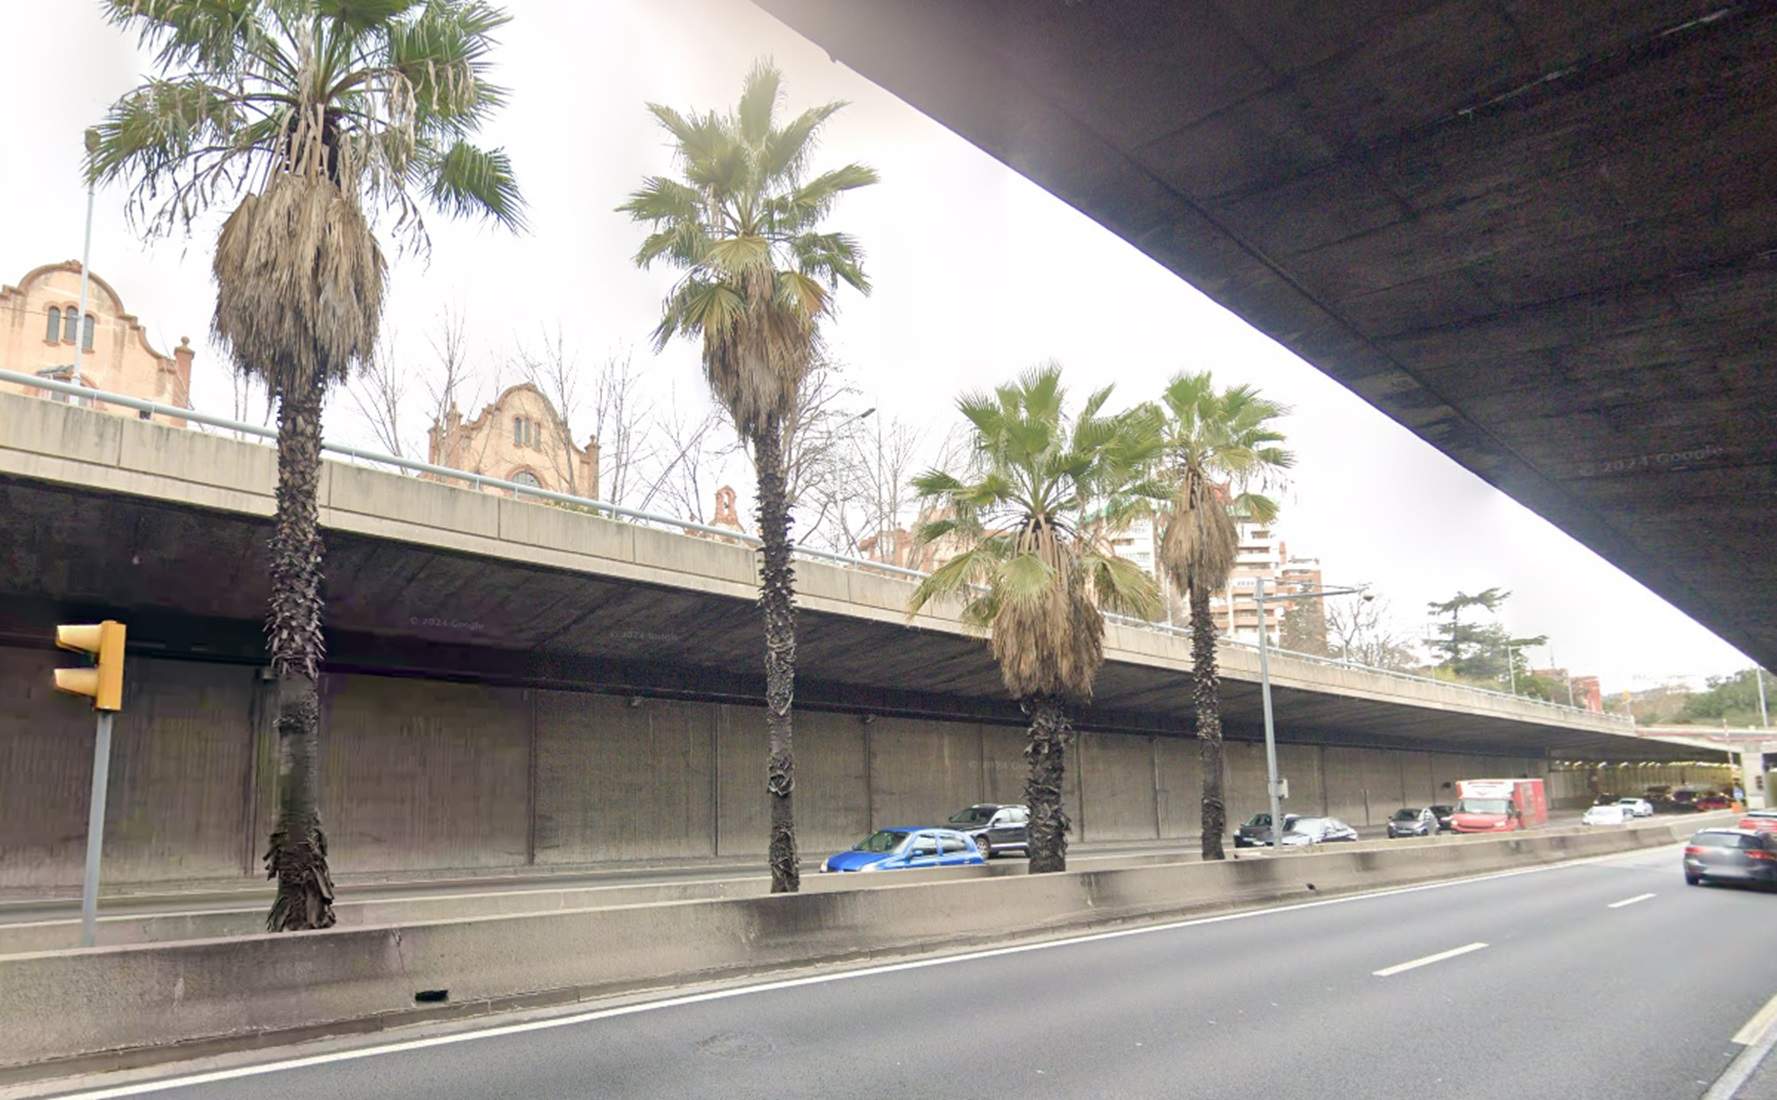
[70,325]
[55,325]
[525,477]
[86,337]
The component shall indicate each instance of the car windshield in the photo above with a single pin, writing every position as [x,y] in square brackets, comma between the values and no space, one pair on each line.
[1258,821]
[1406,815]
[882,840]
[1482,806]
[1306,826]
[974,815]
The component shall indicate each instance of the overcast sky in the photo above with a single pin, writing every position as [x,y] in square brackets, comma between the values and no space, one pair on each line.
[978,273]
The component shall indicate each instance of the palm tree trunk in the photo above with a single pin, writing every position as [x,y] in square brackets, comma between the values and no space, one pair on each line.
[1206,693]
[297,856]
[777,598]
[1050,732]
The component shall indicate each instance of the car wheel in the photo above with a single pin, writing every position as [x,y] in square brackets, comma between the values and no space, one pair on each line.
[1693,880]
[986,847]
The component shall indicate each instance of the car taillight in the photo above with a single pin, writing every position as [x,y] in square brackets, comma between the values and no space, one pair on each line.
[1693,850]
[1768,857]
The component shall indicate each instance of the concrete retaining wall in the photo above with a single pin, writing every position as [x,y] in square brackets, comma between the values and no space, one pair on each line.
[68,1004]
[427,776]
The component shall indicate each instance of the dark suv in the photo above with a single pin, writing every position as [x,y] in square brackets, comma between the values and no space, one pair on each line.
[1255,832]
[994,828]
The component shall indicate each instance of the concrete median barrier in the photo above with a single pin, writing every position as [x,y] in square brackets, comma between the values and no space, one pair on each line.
[174,998]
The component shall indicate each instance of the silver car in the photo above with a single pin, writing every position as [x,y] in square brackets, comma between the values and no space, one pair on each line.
[1317,830]
[1638,807]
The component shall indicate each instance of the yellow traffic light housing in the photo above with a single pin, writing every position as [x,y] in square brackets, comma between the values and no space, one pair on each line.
[104,680]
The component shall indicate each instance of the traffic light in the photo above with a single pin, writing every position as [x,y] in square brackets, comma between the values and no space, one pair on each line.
[104,680]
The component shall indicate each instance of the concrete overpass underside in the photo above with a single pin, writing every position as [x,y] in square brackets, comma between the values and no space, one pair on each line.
[1542,236]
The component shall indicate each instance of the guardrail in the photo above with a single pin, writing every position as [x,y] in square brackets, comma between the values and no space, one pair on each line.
[634,515]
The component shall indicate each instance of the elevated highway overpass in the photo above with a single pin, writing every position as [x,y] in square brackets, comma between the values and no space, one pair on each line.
[513,684]
[1542,236]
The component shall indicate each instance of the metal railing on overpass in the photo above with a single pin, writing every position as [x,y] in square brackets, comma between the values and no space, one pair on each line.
[246,432]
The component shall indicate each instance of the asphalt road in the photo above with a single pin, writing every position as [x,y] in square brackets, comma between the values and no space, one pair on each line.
[1570,997]
[255,894]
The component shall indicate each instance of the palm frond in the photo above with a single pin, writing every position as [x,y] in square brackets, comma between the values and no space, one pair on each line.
[472,182]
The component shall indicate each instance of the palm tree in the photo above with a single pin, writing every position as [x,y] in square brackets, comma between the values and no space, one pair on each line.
[312,114]
[1035,569]
[1219,448]
[744,226]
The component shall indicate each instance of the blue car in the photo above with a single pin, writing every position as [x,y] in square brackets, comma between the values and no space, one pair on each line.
[908,847]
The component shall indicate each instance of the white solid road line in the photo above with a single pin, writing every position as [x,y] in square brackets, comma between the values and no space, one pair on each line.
[1397,968]
[145,1087]
[1628,901]
[1759,1024]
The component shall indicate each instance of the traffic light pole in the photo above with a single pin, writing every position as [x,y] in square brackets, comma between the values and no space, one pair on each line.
[95,831]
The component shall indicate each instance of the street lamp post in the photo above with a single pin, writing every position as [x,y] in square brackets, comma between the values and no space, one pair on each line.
[86,255]
[1764,716]
[1273,782]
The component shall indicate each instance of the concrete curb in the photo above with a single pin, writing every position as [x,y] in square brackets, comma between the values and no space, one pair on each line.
[154,1001]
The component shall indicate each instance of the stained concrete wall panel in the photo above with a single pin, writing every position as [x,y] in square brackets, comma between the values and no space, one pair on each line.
[1245,793]
[1417,786]
[181,760]
[1300,764]
[832,782]
[1384,789]
[422,774]
[616,782]
[742,816]
[1181,786]
[1003,751]
[181,751]
[1344,770]
[922,772]
[46,752]
[1118,780]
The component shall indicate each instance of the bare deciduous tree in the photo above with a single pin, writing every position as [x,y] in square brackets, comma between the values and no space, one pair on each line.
[380,392]
[684,481]
[1363,633]
[628,442]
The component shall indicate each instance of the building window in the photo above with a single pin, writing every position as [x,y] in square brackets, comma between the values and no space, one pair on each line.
[527,479]
[70,325]
[518,431]
[55,325]
[86,337]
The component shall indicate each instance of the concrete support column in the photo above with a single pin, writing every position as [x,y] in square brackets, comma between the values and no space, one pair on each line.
[1752,777]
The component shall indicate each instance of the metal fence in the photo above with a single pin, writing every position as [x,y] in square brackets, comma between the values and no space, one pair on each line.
[251,432]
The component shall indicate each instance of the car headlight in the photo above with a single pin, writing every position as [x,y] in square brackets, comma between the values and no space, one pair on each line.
[826,864]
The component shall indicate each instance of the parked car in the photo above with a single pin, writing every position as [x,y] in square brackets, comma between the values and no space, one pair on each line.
[1731,855]
[1637,807]
[1443,813]
[1412,821]
[1759,821]
[1714,800]
[1255,831]
[1612,814]
[906,848]
[1316,830]
[994,828]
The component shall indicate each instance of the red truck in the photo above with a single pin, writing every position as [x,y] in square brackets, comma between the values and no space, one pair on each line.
[1499,805]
